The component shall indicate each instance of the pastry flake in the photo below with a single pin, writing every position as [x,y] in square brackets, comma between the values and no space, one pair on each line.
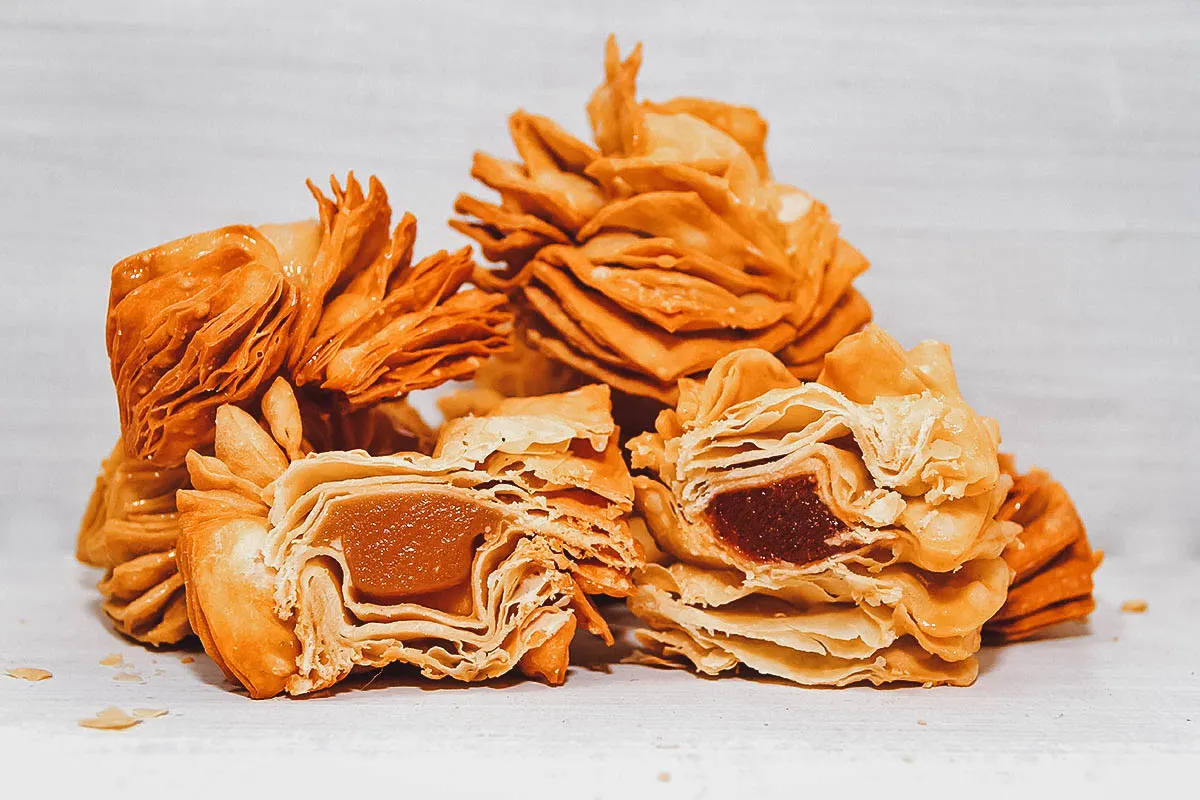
[827,532]
[663,247]
[110,719]
[466,563]
[150,713]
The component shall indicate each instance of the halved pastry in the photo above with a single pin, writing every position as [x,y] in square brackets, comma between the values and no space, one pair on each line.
[1051,559]
[336,304]
[301,567]
[131,525]
[831,532]
[666,245]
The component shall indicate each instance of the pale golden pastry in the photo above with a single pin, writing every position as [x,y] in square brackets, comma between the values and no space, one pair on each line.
[831,532]
[334,303]
[1051,559]
[301,567]
[131,524]
[667,245]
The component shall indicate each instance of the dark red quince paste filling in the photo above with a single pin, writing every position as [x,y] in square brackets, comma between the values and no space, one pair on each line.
[781,521]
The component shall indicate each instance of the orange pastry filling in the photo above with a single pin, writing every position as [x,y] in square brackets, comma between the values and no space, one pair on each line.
[781,521]
[410,546]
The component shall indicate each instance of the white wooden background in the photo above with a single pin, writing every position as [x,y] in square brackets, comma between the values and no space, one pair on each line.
[1025,178]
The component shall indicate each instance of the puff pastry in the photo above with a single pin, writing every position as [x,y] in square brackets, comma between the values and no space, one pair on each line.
[336,304]
[665,246]
[1051,560]
[131,524]
[829,532]
[130,529]
[301,567]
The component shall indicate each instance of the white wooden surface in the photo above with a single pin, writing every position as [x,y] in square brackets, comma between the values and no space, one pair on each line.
[1026,181]
[1024,177]
[1117,707]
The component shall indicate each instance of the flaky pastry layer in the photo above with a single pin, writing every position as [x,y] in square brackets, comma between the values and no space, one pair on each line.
[663,247]
[282,602]
[1051,560]
[829,532]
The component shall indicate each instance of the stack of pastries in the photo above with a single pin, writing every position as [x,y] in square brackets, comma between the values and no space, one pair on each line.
[793,493]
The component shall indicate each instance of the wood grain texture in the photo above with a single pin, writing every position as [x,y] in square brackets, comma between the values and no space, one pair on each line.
[1025,179]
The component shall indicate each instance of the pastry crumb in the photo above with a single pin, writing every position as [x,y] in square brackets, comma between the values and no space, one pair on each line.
[186,660]
[149,713]
[922,723]
[129,677]
[110,719]
[664,776]
[1134,606]
[32,674]
[112,660]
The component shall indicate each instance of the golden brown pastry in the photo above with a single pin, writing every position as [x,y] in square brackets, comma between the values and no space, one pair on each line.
[1051,560]
[336,304]
[831,532]
[523,371]
[301,567]
[130,529]
[666,246]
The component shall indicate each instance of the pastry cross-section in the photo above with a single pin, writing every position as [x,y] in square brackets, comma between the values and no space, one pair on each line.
[826,532]
[336,304]
[467,563]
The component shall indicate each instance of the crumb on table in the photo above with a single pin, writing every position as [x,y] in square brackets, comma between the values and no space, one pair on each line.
[110,719]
